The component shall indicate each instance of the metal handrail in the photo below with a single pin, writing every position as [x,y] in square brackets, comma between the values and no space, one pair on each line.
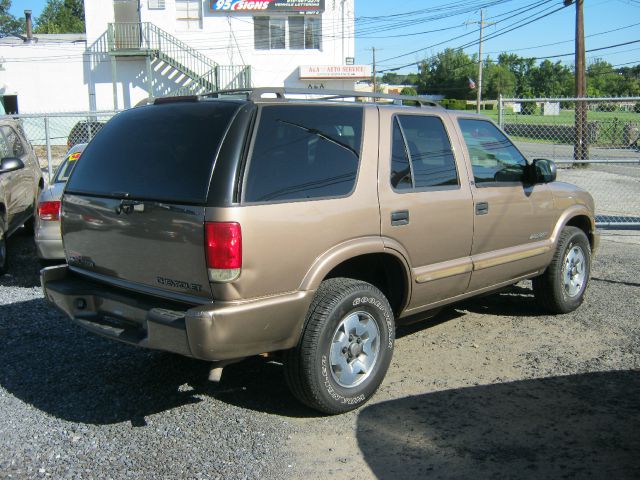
[147,38]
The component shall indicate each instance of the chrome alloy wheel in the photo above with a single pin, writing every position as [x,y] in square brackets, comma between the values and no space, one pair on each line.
[354,349]
[574,271]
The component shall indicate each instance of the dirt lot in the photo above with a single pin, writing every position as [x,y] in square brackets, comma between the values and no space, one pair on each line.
[492,388]
[489,388]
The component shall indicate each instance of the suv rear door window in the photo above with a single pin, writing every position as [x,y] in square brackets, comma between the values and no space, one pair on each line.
[159,152]
[432,161]
[304,152]
[401,176]
[494,158]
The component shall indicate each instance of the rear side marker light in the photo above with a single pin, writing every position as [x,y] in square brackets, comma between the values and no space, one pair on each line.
[223,248]
[49,211]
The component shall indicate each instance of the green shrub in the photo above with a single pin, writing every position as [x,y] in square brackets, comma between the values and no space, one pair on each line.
[489,106]
[529,108]
[454,104]
[410,92]
[636,107]
[607,107]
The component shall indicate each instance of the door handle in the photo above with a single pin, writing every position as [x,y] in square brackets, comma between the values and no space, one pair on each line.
[401,217]
[482,208]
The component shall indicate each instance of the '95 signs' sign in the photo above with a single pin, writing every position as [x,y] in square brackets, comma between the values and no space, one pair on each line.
[266,6]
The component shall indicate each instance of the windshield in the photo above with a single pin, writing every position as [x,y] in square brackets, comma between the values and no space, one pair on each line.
[158,152]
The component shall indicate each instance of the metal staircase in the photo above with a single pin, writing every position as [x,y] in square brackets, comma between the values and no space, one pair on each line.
[205,75]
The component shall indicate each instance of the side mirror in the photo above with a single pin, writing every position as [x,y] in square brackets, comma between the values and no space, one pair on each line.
[543,171]
[10,164]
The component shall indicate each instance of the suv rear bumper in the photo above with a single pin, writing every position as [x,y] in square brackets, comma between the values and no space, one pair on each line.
[215,331]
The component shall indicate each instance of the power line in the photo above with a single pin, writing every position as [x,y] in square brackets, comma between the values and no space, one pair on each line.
[461,36]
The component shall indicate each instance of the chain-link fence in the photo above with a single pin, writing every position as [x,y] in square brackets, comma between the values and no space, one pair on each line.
[52,134]
[594,141]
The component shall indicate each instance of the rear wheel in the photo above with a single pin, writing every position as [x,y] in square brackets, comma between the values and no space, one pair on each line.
[560,289]
[345,349]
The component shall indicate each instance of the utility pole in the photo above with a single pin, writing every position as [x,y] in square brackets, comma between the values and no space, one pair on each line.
[479,86]
[581,144]
[375,73]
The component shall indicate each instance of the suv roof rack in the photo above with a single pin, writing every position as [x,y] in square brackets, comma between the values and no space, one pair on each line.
[281,93]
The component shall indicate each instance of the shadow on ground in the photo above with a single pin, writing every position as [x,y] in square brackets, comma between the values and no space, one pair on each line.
[68,373]
[24,268]
[582,426]
[71,374]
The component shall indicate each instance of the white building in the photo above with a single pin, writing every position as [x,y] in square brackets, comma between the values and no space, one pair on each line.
[134,49]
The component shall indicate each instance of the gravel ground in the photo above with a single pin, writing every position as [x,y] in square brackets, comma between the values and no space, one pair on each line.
[488,388]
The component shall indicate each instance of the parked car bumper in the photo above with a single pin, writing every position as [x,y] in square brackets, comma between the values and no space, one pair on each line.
[214,331]
[49,241]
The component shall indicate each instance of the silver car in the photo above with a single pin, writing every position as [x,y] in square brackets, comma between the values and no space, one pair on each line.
[47,225]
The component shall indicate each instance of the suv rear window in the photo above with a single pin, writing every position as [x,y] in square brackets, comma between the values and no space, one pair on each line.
[159,152]
[304,152]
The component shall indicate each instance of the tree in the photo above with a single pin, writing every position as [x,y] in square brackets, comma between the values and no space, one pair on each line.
[498,80]
[447,73]
[9,25]
[392,78]
[521,69]
[552,80]
[605,81]
[61,16]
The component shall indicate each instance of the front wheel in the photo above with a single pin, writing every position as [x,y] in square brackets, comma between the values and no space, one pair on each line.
[560,289]
[345,349]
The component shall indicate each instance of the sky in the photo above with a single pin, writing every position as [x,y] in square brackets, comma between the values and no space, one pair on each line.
[398,32]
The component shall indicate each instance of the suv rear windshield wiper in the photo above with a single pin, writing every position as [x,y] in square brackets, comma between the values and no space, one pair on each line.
[321,134]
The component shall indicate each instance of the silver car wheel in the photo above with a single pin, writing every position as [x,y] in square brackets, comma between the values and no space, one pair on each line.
[354,349]
[574,271]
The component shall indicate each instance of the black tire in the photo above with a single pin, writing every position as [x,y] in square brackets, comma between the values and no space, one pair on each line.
[550,289]
[4,257]
[309,371]
[30,225]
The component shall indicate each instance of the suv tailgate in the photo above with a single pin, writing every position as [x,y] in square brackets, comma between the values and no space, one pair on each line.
[133,211]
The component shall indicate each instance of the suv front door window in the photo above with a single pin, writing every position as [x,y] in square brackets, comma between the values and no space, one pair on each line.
[493,157]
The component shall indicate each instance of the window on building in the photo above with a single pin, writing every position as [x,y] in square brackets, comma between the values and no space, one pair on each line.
[188,14]
[156,4]
[277,33]
[270,33]
[261,33]
[425,140]
[493,157]
[304,33]
[304,152]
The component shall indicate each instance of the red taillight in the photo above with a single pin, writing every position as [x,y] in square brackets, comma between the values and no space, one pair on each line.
[49,211]
[223,245]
